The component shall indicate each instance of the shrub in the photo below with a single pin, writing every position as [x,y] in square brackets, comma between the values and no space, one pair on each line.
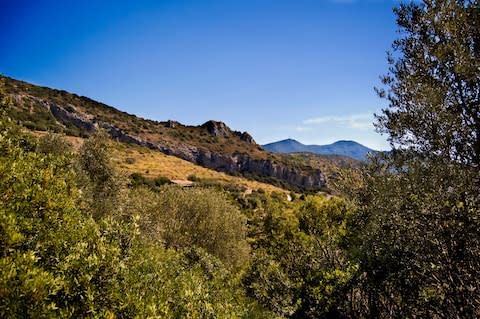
[130,160]
[182,218]
[54,144]
[161,180]
[98,179]
[192,178]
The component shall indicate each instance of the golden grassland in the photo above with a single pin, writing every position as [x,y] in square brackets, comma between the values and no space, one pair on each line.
[131,158]
[150,163]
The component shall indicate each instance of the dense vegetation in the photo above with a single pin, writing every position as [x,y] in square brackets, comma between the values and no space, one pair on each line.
[74,243]
[80,239]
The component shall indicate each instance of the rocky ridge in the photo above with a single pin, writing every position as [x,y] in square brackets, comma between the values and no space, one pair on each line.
[228,163]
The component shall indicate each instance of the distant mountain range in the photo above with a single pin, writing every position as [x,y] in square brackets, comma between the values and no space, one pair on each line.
[345,148]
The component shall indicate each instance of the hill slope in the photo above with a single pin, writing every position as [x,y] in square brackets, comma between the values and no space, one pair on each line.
[152,164]
[344,148]
[213,144]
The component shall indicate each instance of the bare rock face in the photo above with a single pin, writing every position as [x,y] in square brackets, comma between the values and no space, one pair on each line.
[243,163]
[74,118]
[171,124]
[218,129]
[246,137]
[228,163]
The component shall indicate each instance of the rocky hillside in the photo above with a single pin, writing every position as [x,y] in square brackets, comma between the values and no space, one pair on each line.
[213,145]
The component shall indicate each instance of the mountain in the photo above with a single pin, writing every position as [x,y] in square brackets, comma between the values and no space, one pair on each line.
[286,146]
[344,148]
[212,145]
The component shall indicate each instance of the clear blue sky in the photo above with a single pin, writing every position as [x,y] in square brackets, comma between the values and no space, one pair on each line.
[302,69]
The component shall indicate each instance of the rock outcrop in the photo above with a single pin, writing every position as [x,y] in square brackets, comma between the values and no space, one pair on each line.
[246,137]
[243,163]
[79,120]
[220,129]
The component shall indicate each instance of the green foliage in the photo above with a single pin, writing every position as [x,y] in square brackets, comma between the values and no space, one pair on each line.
[415,231]
[415,236]
[331,274]
[137,179]
[182,218]
[97,177]
[57,261]
[193,285]
[54,144]
[299,267]
[268,282]
[433,85]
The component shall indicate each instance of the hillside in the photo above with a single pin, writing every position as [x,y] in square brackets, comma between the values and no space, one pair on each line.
[213,145]
[131,159]
[343,148]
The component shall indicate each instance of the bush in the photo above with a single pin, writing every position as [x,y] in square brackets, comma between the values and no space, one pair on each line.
[99,181]
[182,218]
[54,144]
[130,160]
[300,267]
[161,180]
[137,179]
[192,178]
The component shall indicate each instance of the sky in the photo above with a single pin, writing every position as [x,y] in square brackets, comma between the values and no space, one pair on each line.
[301,69]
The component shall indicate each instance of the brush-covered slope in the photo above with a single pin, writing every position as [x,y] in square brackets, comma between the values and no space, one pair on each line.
[213,144]
[344,148]
[130,159]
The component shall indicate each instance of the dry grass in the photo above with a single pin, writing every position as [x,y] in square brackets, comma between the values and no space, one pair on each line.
[152,164]
[138,159]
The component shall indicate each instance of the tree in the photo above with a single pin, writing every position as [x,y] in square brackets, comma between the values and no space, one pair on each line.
[433,87]
[416,233]
[182,218]
[99,181]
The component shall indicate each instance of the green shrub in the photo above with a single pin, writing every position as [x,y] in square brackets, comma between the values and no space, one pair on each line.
[98,179]
[192,178]
[182,218]
[54,144]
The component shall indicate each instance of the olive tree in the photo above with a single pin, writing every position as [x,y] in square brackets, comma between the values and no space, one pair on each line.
[416,231]
[433,87]
[101,184]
